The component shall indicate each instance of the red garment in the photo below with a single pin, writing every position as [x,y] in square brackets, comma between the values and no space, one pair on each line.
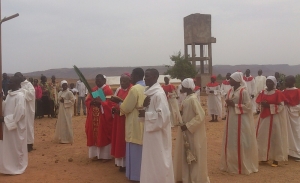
[38,92]
[275,98]
[98,126]
[226,82]
[197,88]
[168,88]
[292,97]
[118,143]
[250,78]
[212,84]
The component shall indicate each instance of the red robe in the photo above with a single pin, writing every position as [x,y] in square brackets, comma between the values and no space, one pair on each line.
[292,97]
[98,126]
[275,98]
[118,143]
[168,88]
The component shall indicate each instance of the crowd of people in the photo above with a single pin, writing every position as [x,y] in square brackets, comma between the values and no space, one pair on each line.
[133,124]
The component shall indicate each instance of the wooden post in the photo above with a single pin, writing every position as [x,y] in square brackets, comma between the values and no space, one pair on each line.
[1,97]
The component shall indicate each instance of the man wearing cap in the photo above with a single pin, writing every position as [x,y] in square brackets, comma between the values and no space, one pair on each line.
[214,103]
[193,124]
[64,129]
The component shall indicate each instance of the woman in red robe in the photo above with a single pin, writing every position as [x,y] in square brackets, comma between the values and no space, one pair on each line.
[98,124]
[118,144]
[271,131]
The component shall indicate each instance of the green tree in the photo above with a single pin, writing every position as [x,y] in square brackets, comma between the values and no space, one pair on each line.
[297,83]
[182,68]
[219,77]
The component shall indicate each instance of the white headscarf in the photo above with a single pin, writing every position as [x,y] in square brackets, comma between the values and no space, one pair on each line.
[62,82]
[238,77]
[272,78]
[188,83]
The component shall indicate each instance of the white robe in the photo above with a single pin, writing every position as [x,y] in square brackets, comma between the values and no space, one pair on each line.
[252,91]
[13,147]
[293,126]
[181,96]
[29,93]
[242,157]
[64,127]
[157,163]
[224,91]
[260,84]
[271,134]
[214,103]
[174,108]
[194,118]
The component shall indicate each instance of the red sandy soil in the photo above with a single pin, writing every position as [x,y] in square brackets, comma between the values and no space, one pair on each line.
[57,163]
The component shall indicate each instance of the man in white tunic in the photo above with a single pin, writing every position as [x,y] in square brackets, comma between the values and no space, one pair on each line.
[260,84]
[225,87]
[157,163]
[193,119]
[13,147]
[214,103]
[292,106]
[29,93]
[250,84]
[239,153]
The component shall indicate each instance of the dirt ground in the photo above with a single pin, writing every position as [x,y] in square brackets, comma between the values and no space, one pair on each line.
[57,163]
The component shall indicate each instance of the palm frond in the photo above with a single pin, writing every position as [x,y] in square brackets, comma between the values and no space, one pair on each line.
[82,78]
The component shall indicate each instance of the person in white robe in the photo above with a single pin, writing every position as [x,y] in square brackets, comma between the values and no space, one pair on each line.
[225,87]
[64,127]
[13,147]
[193,125]
[181,96]
[271,130]
[157,165]
[172,100]
[250,84]
[239,153]
[260,84]
[292,106]
[29,93]
[214,103]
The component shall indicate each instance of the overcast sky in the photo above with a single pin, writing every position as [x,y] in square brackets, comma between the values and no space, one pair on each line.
[96,33]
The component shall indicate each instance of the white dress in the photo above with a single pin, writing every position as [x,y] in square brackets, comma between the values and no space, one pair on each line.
[13,147]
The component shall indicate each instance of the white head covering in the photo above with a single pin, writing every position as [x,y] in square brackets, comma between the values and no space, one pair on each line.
[273,79]
[238,77]
[62,82]
[188,83]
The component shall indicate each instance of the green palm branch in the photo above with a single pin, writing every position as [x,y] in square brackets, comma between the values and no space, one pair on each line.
[82,78]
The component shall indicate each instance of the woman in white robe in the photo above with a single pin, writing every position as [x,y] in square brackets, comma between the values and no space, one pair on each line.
[292,106]
[64,128]
[271,130]
[239,149]
[194,126]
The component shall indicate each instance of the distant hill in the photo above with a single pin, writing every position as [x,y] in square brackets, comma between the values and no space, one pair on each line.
[90,73]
